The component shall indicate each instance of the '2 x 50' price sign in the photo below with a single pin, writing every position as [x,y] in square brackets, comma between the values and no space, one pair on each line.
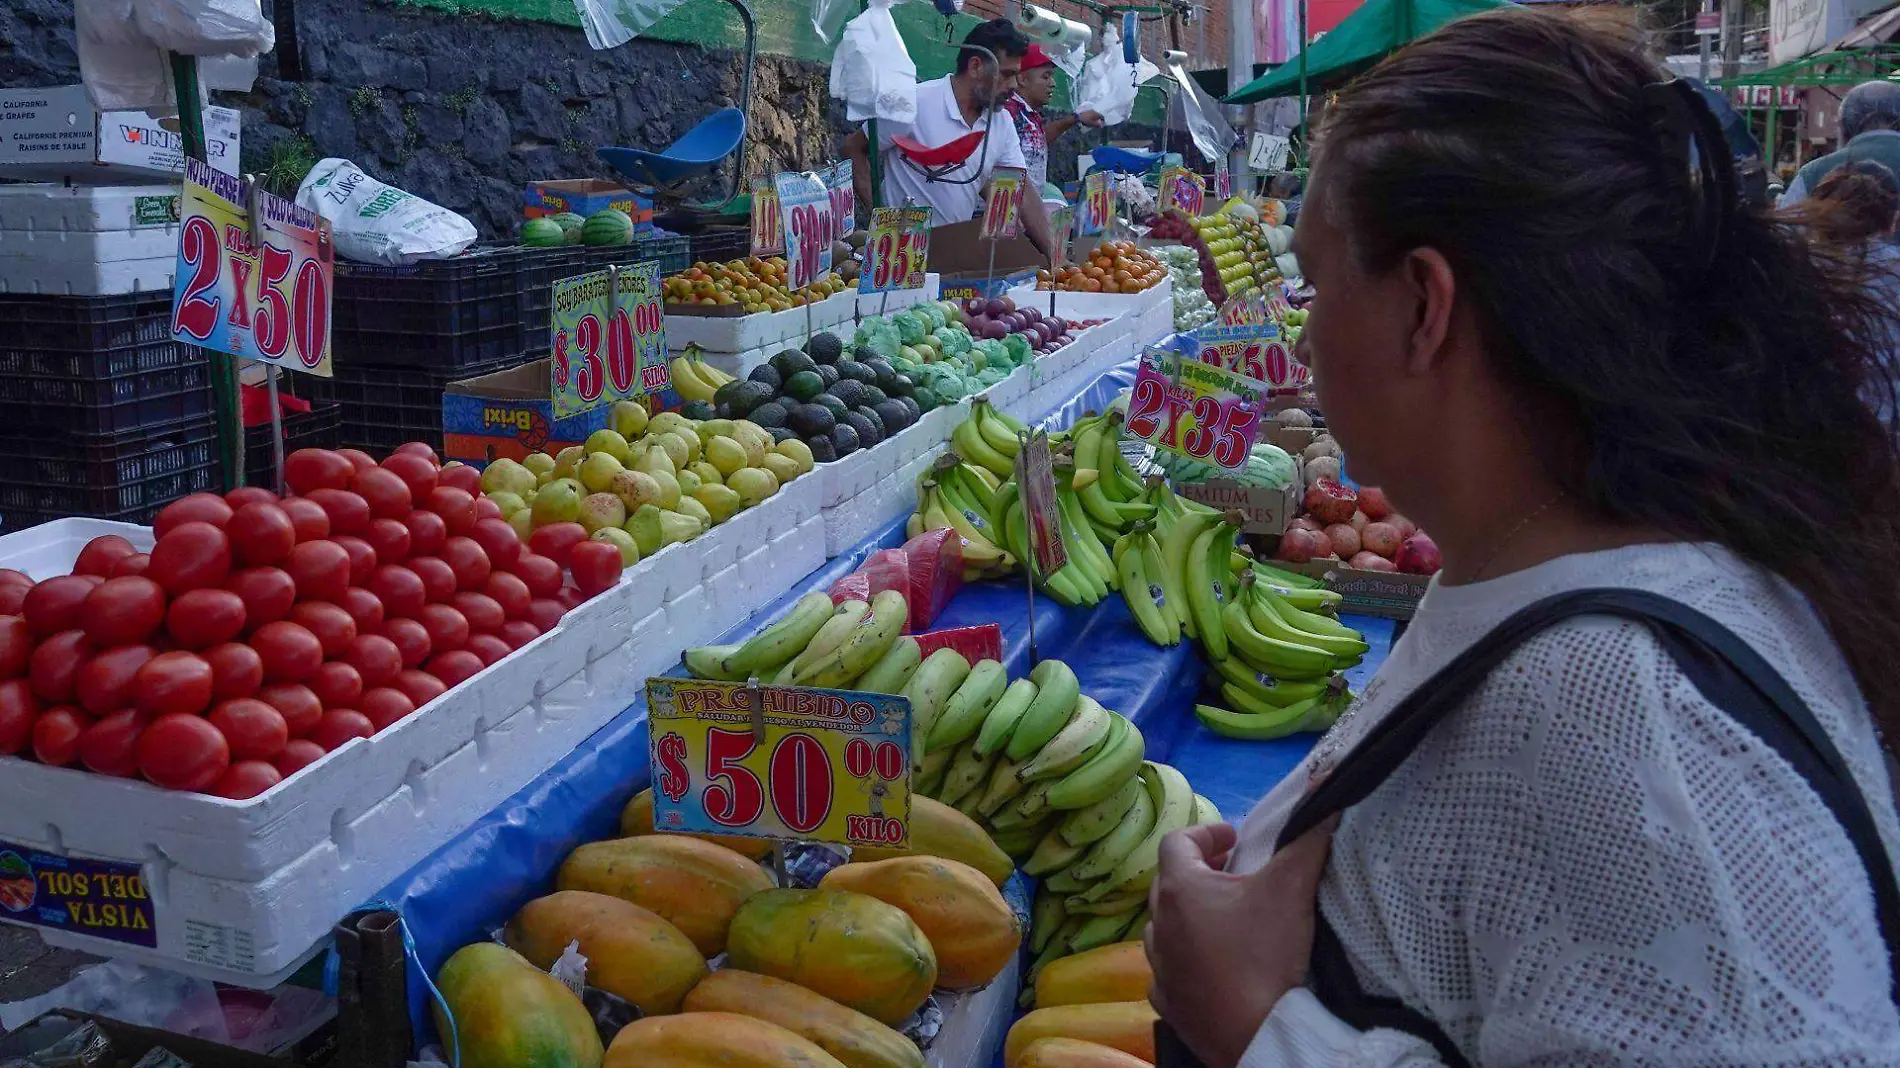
[1203,412]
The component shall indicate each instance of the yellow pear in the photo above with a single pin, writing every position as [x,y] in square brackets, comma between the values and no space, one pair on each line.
[783,468]
[720,502]
[726,455]
[655,459]
[635,488]
[598,470]
[676,449]
[708,473]
[798,451]
[690,506]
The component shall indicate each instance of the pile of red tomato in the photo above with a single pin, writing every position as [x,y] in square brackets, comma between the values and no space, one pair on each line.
[261,633]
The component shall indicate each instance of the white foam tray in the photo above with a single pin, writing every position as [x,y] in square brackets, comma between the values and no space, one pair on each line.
[84,240]
[788,332]
[748,332]
[244,891]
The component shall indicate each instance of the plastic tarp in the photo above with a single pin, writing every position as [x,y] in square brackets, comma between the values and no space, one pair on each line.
[1366,36]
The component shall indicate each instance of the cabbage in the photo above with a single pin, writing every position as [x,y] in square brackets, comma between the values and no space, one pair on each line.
[1018,347]
[910,327]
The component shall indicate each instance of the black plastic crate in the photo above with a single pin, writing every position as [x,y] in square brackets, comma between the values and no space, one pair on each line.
[35,329]
[445,314]
[127,476]
[383,407]
[540,269]
[720,243]
[318,428]
[672,252]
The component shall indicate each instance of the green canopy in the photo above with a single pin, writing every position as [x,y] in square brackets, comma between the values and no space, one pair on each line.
[1366,36]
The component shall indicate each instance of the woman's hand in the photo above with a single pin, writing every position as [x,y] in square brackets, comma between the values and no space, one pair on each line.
[1225,947]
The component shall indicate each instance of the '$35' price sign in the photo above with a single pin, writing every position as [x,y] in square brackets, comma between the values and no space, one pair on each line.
[896,250]
[1203,412]
[811,764]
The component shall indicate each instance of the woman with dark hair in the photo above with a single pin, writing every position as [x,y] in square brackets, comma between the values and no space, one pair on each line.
[1854,213]
[1619,794]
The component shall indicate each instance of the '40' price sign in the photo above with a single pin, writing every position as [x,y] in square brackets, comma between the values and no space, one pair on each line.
[1205,413]
[1258,351]
[809,764]
[808,226]
[608,339]
[768,239]
[1091,214]
[260,292]
[895,252]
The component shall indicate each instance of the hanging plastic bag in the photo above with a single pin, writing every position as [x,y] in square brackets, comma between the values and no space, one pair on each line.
[1206,125]
[377,223]
[1108,83]
[612,23]
[122,48]
[828,15]
[872,71]
[206,27]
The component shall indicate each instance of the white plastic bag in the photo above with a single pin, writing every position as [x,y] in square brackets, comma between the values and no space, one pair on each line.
[122,48]
[377,223]
[872,71]
[206,27]
[1108,84]
[828,15]
[612,23]
[1206,125]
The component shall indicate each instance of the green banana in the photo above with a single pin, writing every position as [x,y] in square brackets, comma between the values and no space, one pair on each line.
[844,620]
[1087,825]
[1054,704]
[939,511]
[1263,609]
[1244,701]
[1089,541]
[1282,660]
[1280,576]
[708,662]
[963,713]
[782,640]
[1046,914]
[1263,687]
[865,646]
[1206,811]
[1073,744]
[1255,727]
[1064,882]
[1138,930]
[1205,577]
[1118,905]
[1018,841]
[1175,550]
[1173,811]
[929,687]
[1052,854]
[1034,802]
[999,435]
[1053,950]
[1108,853]
[894,668]
[1004,715]
[929,775]
[968,440]
[1113,763]
[1100,931]
[1004,786]
[1139,588]
[967,772]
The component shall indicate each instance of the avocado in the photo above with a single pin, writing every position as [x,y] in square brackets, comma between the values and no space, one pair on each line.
[722,410]
[767,374]
[844,440]
[792,361]
[861,424]
[780,433]
[823,449]
[725,394]
[832,404]
[824,347]
[804,385]
[873,397]
[698,409]
[884,373]
[809,419]
[901,386]
[769,414]
[857,372]
[748,396]
[848,390]
[828,372]
[910,405]
[893,414]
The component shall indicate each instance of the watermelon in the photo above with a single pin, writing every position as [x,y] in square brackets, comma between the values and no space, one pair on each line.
[542,233]
[570,224]
[608,226]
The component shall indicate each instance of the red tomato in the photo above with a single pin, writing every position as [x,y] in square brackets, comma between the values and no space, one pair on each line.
[105,682]
[448,629]
[11,575]
[419,448]
[331,624]
[455,506]
[268,593]
[541,575]
[509,592]
[359,460]
[182,752]
[53,605]
[291,653]
[483,612]
[518,632]
[427,532]
[13,595]
[385,706]
[246,779]
[390,539]
[438,578]
[411,639]
[388,495]
[556,540]
[363,559]
[311,521]
[121,611]
[299,705]
[596,566]
[337,685]
[53,670]
[569,597]
[488,647]
[299,754]
[308,469]
[255,730]
[400,589]
[364,607]
[101,554]
[261,533]
[321,570]
[191,556]
[56,735]
[375,659]
[18,709]
[468,560]
[131,565]
[462,477]
[339,726]
[416,472]
[174,683]
[454,667]
[348,512]
[498,540]
[486,509]
[236,671]
[244,495]
[111,746]
[200,619]
[16,647]
[419,686]
[545,613]
[196,508]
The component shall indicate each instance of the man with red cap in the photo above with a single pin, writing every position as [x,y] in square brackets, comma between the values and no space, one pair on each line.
[1035,86]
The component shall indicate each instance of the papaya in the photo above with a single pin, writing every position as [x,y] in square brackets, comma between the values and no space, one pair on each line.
[696,886]
[1075,1053]
[637,819]
[937,830]
[852,948]
[970,926]
[511,1014]
[725,1039]
[1128,1026]
[631,952]
[847,1034]
[1117,972]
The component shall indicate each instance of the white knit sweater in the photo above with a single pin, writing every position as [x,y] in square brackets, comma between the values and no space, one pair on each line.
[1588,864]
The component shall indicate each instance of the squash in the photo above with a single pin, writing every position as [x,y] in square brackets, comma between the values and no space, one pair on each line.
[631,952]
[970,926]
[937,830]
[1075,1053]
[847,1034]
[1117,972]
[854,949]
[1128,1026]
[712,1040]
[637,820]
[696,886]
[510,1014]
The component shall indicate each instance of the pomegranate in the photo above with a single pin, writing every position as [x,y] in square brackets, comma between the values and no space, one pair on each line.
[1304,522]
[1365,561]
[1382,539]
[1330,502]
[1372,502]
[1418,555]
[1359,520]
[1344,539]
[1299,546]
[1405,527]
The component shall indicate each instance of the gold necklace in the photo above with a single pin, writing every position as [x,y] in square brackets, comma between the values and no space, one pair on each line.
[1514,532]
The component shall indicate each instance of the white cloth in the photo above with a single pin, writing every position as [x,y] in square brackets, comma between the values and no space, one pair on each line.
[939,122]
[1588,864]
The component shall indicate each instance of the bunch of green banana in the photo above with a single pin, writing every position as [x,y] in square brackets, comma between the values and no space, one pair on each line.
[1281,676]
[987,438]
[1114,500]
[817,644]
[1138,564]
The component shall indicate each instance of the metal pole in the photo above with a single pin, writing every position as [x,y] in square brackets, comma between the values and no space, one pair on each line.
[1240,61]
[1731,38]
[1704,44]
[224,380]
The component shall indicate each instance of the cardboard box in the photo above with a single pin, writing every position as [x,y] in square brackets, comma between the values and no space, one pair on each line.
[50,134]
[961,255]
[966,286]
[509,413]
[1373,593]
[583,196]
[314,1049]
[1268,510]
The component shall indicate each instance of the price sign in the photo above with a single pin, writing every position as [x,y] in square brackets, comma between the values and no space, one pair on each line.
[260,292]
[807,225]
[808,764]
[844,199]
[607,338]
[896,251]
[1223,180]
[1092,212]
[1203,412]
[768,239]
[1258,351]
[1041,513]
[1002,215]
[1183,190]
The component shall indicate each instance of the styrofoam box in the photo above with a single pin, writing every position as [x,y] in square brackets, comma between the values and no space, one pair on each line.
[87,240]
[740,364]
[244,891]
[747,332]
[1099,305]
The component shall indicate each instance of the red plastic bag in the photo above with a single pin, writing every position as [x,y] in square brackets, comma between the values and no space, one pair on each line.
[853,587]
[981,642]
[887,569]
[936,574]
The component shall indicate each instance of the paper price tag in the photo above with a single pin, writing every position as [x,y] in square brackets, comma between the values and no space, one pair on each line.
[262,294]
[810,764]
[1041,513]
[844,199]
[1183,190]
[1092,211]
[1259,352]
[1223,180]
[807,225]
[1203,412]
[768,236]
[896,251]
[1002,215]
[607,340]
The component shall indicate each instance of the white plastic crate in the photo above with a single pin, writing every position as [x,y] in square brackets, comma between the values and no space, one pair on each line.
[745,333]
[85,240]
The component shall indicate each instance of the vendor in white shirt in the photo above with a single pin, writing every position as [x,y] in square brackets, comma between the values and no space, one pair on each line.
[949,108]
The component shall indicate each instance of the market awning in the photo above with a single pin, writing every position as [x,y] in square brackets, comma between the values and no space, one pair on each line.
[1847,68]
[1365,37]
